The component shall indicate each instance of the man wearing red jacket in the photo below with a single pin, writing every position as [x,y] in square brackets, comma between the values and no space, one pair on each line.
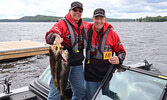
[70,32]
[103,42]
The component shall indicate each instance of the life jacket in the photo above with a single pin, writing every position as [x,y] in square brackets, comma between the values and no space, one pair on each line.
[74,41]
[101,46]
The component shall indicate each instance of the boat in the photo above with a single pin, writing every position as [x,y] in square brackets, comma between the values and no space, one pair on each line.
[134,82]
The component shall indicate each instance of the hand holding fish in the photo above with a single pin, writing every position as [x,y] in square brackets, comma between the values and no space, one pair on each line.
[58,40]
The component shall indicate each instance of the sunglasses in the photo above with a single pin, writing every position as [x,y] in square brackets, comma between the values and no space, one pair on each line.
[75,10]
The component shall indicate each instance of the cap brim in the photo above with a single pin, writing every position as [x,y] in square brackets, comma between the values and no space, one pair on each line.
[99,15]
[76,7]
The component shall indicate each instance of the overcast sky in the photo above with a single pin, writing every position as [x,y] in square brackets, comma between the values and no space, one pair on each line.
[14,9]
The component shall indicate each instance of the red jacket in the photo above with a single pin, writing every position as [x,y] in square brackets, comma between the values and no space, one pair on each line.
[113,42]
[97,68]
[62,29]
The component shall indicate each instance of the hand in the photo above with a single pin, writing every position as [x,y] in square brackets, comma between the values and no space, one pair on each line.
[114,60]
[58,40]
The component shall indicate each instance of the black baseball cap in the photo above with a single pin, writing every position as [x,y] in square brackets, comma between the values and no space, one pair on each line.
[76,4]
[99,12]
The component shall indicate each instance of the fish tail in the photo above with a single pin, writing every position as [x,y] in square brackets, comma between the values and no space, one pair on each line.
[63,97]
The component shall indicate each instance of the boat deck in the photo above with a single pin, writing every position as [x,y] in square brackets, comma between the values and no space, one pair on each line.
[24,48]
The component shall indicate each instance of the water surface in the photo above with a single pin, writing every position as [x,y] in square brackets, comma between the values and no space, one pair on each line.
[145,40]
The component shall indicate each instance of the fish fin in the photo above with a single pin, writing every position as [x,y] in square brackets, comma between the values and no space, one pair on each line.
[55,82]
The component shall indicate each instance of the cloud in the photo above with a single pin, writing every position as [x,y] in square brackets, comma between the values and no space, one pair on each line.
[139,8]
[114,8]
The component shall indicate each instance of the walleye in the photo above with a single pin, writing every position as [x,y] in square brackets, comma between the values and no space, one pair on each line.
[59,66]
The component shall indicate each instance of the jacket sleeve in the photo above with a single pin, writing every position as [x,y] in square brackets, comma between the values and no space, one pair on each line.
[119,49]
[50,35]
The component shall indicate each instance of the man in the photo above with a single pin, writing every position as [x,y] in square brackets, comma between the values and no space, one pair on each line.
[70,32]
[103,42]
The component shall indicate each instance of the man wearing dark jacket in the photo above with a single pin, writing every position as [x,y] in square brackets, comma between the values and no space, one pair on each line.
[70,32]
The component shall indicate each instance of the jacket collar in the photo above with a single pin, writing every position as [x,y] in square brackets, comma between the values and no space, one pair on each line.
[72,22]
[106,25]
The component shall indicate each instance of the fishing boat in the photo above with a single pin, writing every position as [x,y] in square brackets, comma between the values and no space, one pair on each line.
[134,82]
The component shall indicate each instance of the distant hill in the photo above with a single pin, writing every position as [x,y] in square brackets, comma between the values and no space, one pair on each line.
[43,18]
[37,18]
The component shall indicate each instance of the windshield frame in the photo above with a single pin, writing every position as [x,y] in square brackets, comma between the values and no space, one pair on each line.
[137,70]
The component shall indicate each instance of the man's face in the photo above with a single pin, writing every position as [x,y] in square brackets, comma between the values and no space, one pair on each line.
[76,14]
[99,22]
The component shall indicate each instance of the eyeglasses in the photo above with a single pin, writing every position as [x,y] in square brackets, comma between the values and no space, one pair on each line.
[75,10]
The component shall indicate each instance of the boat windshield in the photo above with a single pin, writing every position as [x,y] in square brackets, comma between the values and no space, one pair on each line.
[130,85]
[46,75]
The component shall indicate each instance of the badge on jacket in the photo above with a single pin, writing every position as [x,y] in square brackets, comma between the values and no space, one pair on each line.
[107,55]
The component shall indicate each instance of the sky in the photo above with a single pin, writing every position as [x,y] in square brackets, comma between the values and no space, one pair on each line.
[14,9]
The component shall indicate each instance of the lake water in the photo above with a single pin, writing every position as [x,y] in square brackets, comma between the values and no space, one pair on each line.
[147,40]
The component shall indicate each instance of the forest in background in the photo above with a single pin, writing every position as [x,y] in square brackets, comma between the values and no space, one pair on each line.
[43,18]
[152,19]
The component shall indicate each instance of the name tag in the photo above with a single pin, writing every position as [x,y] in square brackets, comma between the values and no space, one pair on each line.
[107,55]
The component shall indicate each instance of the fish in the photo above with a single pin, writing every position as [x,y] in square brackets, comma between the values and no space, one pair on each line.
[59,68]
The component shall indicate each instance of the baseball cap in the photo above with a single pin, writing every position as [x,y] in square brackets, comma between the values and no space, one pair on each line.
[99,12]
[76,4]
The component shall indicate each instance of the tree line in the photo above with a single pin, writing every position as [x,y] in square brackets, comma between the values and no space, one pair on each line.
[152,19]
[43,18]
